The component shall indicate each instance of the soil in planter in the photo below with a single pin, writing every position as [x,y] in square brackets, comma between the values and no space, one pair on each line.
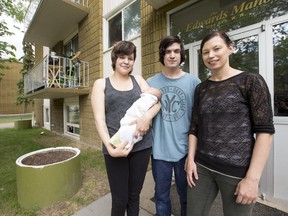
[45,158]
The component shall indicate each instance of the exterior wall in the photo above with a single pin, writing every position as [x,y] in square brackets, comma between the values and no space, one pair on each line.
[57,115]
[9,90]
[58,48]
[38,104]
[90,44]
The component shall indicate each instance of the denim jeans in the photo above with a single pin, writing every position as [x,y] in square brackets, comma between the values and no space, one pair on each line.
[201,197]
[162,174]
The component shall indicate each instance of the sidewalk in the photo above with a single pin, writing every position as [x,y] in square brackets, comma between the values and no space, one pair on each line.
[102,206]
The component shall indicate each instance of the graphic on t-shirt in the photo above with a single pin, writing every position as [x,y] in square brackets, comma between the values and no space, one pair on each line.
[173,105]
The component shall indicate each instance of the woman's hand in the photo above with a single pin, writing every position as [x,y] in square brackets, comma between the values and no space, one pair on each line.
[247,191]
[121,150]
[142,125]
[191,172]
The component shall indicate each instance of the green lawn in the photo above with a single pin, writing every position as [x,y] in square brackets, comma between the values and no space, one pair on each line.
[14,143]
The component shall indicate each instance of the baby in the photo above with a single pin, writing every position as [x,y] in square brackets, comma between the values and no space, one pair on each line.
[126,131]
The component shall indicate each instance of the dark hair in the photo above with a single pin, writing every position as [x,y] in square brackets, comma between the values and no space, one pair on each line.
[121,48]
[168,41]
[221,34]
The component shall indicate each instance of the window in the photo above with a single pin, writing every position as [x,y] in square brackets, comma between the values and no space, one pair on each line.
[72,119]
[71,47]
[280,47]
[226,15]
[47,115]
[125,24]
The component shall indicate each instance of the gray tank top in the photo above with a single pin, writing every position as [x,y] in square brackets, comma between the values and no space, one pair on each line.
[116,104]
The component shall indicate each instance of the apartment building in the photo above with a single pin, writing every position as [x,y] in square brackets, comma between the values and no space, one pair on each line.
[73,41]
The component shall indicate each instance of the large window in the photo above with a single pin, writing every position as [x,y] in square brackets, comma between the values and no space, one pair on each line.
[125,25]
[192,24]
[280,49]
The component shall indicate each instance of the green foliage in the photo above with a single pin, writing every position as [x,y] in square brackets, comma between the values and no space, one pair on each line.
[28,64]
[15,10]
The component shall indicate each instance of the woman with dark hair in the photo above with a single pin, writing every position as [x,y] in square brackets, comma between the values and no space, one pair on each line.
[171,125]
[111,97]
[230,107]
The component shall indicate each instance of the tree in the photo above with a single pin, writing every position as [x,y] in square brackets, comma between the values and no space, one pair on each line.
[28,64]
[15,10]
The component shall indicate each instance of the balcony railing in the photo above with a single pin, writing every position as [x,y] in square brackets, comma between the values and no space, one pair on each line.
[57,72]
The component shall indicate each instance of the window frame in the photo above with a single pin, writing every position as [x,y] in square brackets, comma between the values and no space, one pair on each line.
[66,123]
[111,15]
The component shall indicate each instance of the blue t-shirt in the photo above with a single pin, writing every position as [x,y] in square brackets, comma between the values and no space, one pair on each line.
[171,124]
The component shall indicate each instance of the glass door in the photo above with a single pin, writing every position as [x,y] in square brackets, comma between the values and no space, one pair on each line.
[246,54]
[280,60]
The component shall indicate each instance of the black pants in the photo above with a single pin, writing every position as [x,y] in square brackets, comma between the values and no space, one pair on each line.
[126,177]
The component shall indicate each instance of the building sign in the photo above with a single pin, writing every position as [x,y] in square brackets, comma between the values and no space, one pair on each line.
[196,20]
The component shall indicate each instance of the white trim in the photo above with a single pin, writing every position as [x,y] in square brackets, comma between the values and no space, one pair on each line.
[117,9]
[70,102]
[109,15]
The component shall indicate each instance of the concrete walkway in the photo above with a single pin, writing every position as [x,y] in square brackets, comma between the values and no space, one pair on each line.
[102,206]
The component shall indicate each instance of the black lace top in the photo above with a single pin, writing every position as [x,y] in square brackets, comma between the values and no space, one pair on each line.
[226,114]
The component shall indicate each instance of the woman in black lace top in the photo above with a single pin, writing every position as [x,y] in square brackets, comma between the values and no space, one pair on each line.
[230,107]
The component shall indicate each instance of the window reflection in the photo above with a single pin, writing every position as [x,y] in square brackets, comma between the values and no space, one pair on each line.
[73,119]
[126,24]
[132,21]
[280,50]
[185,65]
[246,54]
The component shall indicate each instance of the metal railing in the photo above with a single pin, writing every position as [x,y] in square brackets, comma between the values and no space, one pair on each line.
[57,72]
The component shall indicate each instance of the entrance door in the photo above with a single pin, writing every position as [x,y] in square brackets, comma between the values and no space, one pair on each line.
[247,55]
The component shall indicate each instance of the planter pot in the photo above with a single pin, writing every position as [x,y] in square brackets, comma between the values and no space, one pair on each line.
[42,185]
[23,124]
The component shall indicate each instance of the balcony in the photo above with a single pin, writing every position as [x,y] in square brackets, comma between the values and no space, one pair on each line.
[57,77]
[49,21]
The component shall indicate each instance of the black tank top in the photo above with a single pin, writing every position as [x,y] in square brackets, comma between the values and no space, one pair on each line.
[116,104]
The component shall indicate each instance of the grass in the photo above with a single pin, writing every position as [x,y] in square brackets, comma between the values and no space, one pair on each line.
[14,143]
